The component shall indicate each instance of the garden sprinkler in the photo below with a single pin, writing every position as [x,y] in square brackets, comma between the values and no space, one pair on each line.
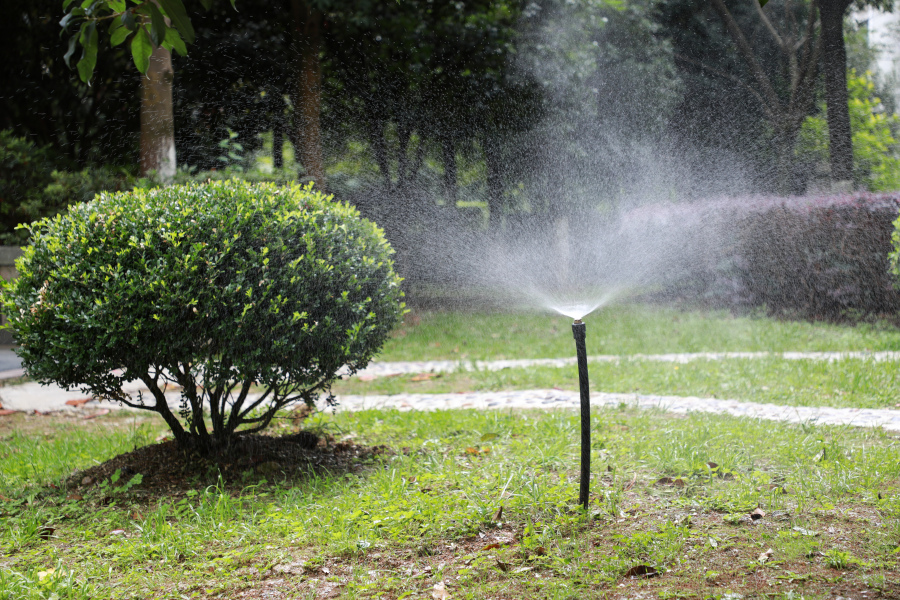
[578,330]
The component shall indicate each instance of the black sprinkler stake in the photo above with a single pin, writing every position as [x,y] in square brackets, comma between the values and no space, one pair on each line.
[578,330]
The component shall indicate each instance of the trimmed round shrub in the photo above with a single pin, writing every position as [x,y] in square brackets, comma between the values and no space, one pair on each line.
[244,297]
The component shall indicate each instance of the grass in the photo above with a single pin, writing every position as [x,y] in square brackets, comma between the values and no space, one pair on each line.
[621,329]
[481,504]
[635,329]
[846,383]
[430,512]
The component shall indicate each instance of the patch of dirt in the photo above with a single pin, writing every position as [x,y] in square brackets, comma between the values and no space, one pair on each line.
[166,467]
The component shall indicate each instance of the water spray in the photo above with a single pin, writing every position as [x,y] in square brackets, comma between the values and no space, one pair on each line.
[579,331]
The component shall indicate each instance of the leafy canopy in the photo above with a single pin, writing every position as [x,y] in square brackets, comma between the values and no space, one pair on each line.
[148,24]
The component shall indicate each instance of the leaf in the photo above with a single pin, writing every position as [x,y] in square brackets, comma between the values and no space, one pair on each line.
[174,41]
[207,4]
[78,402]
[158,25]
[498,515]
[757,514]
[762,3]
[99,413]
[73,41]
[141,49]
[803,531]
[45,531]
[119,36]
[117,5]
[490,547]
[128,20]
[180,20]
[641,571]
[440,592]
[88,60]
[425,376]
[487,437]
[766,555]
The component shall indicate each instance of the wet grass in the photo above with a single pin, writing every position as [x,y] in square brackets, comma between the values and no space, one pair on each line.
[844,383]
[620,329]
[474,505]
[670,495]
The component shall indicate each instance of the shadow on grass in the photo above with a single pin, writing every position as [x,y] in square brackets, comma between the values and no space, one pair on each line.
[166,468]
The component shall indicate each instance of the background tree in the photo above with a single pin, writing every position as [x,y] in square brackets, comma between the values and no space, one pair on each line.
[153,28]
[799,48]
[39,99]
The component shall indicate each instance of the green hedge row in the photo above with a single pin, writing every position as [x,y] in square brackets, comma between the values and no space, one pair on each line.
[818,257]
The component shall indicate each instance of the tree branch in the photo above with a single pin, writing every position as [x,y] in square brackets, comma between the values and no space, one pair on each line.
[768,24]
[733,78]
[747,53]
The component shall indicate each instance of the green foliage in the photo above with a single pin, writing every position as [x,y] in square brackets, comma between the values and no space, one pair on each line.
[31,189]
[209,287]
[144,22]
[876,150]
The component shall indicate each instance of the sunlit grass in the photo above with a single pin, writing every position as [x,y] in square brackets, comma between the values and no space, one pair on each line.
[845,383]
[619,329]
[428,512]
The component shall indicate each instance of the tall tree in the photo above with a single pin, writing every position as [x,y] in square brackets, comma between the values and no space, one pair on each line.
[157,117]
[800,48]
[834,63]
[39,99]
[306,94]
[155,28]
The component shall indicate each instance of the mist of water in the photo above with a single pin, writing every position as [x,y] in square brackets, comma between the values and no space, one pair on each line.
[595,225]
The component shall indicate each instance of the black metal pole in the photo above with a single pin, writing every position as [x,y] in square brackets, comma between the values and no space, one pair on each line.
[578,330]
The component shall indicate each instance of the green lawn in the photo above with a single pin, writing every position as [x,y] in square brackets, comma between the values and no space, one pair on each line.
[481,504]
[429,512]
[632,329]
[619,329]
[847,383]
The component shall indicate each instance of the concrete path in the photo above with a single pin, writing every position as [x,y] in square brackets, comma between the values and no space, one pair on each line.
[30,397]
[562,399]
[444,366]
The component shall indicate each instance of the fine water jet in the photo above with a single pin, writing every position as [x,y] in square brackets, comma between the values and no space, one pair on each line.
[579,331]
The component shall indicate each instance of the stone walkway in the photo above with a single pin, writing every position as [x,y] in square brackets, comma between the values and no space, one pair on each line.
[445,366]
[562,399]
[30,397]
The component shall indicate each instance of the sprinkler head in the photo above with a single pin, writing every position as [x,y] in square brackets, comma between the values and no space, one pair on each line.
[577,322]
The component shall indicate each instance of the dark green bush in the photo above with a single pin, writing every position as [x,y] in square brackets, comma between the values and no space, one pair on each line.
[213,288]
[819,257]
[32,188]
[814,257]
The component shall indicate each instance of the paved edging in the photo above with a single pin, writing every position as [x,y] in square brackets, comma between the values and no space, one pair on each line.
[377,369]
[562,399]
[29,397]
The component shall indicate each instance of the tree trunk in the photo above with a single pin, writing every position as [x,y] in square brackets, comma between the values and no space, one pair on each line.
[448,150]
[834,59]
[157,118]
[278,147]
[492,165]
[785,139]
[307,90]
